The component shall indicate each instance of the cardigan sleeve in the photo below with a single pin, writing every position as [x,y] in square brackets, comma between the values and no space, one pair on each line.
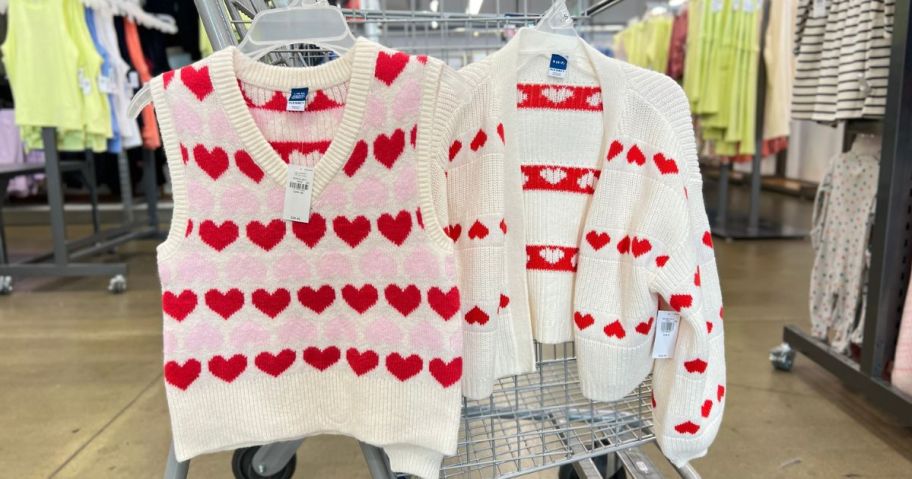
[472,159]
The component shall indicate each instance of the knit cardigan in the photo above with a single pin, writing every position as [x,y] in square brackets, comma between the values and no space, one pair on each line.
[606,217]
[362,320]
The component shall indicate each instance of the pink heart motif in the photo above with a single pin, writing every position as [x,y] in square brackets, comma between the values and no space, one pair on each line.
[378,263]
[240,199]
[169,343]
[275,199]
[421,264]
[369,193]
[187,120]
[290,267]
[333,265]
[375,114]
[194,268]
[333,196]
[220,130]
[406,184]
[299,330]
[340,330]
[249,334]
[385,332]
[425,338]
[407,100]
[204,337]
[201,198]
[243,268]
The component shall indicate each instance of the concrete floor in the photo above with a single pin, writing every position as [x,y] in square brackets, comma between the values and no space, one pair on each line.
[82,394]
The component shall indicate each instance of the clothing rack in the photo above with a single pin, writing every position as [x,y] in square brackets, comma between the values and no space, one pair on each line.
[890,245]
[723,222]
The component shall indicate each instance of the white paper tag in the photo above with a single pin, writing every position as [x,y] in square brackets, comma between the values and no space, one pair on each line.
[820,9]
[717,5]
[557,68]
[104,84]
[666,334]
[736,5]
[298,193]
[84,82]
[297,100]
[133,77]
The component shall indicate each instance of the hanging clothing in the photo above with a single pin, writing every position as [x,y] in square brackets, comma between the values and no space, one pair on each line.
[12,152]
[646,42]
[605,207]
[372,311]
[150,137]
[843,216]
[678,45]
[778,57]
[121,92]
[104,81]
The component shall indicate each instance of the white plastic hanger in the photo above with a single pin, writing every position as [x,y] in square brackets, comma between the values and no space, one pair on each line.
[317,23]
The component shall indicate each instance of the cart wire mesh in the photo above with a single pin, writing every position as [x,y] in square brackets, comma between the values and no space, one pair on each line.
[533,421]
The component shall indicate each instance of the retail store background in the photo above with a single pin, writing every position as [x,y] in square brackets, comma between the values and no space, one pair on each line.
[82,393]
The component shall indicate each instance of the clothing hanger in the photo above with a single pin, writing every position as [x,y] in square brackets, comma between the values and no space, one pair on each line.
[557,21]
[134,11]
[302,21]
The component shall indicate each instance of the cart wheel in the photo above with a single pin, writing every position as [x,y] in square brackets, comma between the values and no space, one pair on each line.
[782,357]
[118,284]
[242,465]
[6,285]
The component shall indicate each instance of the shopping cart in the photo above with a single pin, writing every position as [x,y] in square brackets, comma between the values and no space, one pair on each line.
[531,422]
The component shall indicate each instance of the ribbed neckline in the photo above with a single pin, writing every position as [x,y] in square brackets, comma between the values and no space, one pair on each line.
[356,67]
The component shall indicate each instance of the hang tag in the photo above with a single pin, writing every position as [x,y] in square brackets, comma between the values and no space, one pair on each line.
[717,5]
[666,334]
[297,101]
[84,83]
[820,9]
[298,193]
[736,5]
[104,84]
[558,66]
[751,5]
[133,78]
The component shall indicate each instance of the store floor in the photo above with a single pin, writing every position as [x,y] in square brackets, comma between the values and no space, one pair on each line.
[81,391]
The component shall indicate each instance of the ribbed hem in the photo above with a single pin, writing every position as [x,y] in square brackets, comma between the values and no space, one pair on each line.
[414,460]
[609,372]
[479,359]
[551,305]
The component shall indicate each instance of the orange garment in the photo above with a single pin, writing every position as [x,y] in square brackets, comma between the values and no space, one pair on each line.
[150,136]
[769,148]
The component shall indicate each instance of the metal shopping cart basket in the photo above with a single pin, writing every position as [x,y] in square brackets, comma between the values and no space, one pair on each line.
[531,422]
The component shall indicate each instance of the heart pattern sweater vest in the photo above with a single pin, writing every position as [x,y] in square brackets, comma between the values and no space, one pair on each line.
[357,321]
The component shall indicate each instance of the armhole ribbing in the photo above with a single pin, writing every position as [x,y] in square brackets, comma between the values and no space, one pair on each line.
[438,102]
[176,171]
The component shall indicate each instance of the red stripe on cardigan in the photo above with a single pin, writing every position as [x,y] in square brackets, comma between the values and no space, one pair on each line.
[570,179]
[559,97]
[551,257]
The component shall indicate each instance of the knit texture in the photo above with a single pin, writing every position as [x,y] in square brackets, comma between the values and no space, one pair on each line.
[351,323]
[630,219]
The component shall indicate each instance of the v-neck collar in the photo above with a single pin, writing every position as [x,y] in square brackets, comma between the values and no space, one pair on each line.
[229,65]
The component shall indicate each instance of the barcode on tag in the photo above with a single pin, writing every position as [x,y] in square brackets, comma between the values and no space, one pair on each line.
[666,334]
[303,187]
[667,326]
[298,193]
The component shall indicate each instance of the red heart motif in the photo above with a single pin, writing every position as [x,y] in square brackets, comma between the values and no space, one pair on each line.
[320,102]
[500,133]
[317,300]
[453,231]
[666,166]
[615,329]
[661,260]
[652,398]
[185,155]
[639,247]
[444,304]
[615,149]
[220,236]
[422,59]
[720,392]
[360,299]
[687,428]
[413,136]
[189,229]
[680,301]
[182,376]
[359,154]
[179,306]
[446,373]
[228,369]
[503,226]
[271,304]
[707,407]
[624,245]
[695,366]
[167,77]
[214,162]
[454,149]
[395,229]
[197,81]
[405,300]
[708,239]
[644,327]
[266,236]
[389,66]
[634,155]
[321,358]
[351,231]
[387,149]
[275,364]
[597,240]
[418,218]
[478,231]
[404,368]
[225,304]
[709,327]
[583,321]
[697,277]
[477,316]
[721,312]
[479,141]
[311,232]
[361,363]
[504,301]
[245,163]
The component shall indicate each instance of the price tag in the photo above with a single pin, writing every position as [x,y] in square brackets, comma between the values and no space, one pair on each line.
[820,9]
[298,193]
[133,77]
[666,334]
[84,83]
[717,5]
[104,84]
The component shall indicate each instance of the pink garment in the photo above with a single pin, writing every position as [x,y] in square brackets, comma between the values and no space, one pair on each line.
[677,48]
[12,153]
[902,363]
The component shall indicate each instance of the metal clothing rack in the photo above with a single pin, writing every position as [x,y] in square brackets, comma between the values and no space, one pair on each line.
[531,422]
[890,245]
[729,225]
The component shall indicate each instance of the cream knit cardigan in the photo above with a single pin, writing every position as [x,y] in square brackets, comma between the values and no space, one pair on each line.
[648,204]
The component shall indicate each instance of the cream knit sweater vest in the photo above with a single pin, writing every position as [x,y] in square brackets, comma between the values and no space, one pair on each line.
[601,169]
[366,320]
